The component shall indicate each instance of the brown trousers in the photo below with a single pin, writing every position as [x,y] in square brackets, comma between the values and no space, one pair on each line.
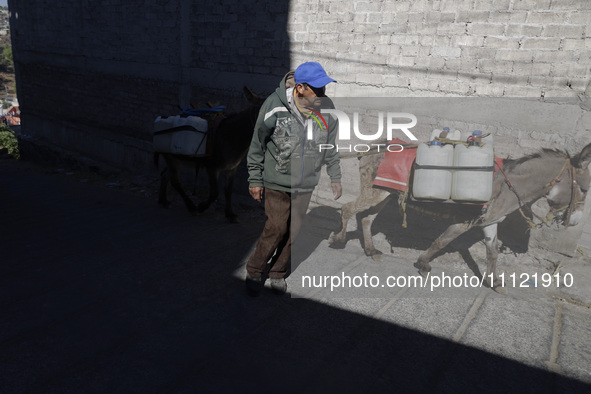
[285,214]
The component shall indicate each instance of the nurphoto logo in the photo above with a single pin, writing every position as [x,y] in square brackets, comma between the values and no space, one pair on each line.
[388,121]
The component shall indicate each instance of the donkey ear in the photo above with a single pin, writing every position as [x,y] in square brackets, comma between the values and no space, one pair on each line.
[250,95]
[583,159]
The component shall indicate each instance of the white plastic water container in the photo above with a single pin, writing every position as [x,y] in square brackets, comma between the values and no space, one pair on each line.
[184,142]
[433,183]
[472,185]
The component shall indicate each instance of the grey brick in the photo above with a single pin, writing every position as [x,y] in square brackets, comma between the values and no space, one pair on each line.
[564,31]
[369,79]
[555,56]
[510,79]
[523,91]
[501,42]
[487,90]
[541,43]
[473,16]
[508,16]
[571,44]
[546,17]
[515,55]
[457,5]
[549,82]
[531,4]
[492,5]
[487,29]
[479,53]
[494,66]
[522,30]
[466,40]
[394,80]
[571,70]
[571,5]
[431,85]
[446,51]
[447,86]
[452,29]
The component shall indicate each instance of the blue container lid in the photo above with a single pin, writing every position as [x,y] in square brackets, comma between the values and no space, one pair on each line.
[446,128]
[477,132]
[434,143]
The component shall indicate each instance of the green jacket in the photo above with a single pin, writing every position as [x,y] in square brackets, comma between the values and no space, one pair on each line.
[281,157]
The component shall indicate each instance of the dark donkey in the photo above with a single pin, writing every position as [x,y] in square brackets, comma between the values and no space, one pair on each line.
[549,174]
[232,140]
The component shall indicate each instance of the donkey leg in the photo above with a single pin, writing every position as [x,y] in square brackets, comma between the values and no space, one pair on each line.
[369,204]
[212,175]
[340,239]
[230,215]
[177,185]
[366,222]
[162,200]
[197,167]
[452,232]
[492,254]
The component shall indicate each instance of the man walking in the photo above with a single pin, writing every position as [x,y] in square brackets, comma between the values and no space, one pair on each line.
[284,162]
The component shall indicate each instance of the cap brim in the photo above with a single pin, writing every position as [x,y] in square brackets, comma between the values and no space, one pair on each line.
[320,82]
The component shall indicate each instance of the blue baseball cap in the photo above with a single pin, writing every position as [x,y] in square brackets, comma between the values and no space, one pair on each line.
[313,74]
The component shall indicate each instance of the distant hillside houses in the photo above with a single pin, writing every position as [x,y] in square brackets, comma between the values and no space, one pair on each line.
[4,24]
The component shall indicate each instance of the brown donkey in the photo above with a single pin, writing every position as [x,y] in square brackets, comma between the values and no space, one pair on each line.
[563,181]
[232,140]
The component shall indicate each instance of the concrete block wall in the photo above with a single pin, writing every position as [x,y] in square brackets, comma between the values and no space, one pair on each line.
[113,67]
[92,76]
[502,48]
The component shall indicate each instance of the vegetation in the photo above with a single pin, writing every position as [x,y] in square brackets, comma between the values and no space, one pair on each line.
[9,141]
[7,60]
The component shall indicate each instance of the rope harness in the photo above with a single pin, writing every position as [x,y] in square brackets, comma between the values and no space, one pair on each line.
[566,168]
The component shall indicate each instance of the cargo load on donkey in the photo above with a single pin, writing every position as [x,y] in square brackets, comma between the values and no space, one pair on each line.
[185,135]
[451,166]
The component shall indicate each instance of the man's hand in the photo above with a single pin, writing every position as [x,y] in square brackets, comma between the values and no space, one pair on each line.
[337,190]
[257,193]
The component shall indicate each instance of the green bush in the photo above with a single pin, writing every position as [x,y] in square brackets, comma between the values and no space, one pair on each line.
[8,140]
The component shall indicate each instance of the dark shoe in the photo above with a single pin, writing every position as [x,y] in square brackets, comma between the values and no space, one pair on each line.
[278,285]
[253,285]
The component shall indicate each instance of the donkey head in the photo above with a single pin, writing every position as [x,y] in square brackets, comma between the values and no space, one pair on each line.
[568,195]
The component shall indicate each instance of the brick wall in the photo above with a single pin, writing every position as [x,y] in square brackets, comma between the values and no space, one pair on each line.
[111,68]
[515,48]
[93,76]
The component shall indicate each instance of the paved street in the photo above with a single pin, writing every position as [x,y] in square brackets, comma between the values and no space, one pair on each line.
[101,290]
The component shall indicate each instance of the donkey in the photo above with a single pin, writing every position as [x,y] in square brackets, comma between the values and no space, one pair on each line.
[563,181]
[232,140]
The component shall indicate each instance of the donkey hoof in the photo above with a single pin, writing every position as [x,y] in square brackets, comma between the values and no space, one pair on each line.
[424,269]
[334,242]
[500,289]
[377,257]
